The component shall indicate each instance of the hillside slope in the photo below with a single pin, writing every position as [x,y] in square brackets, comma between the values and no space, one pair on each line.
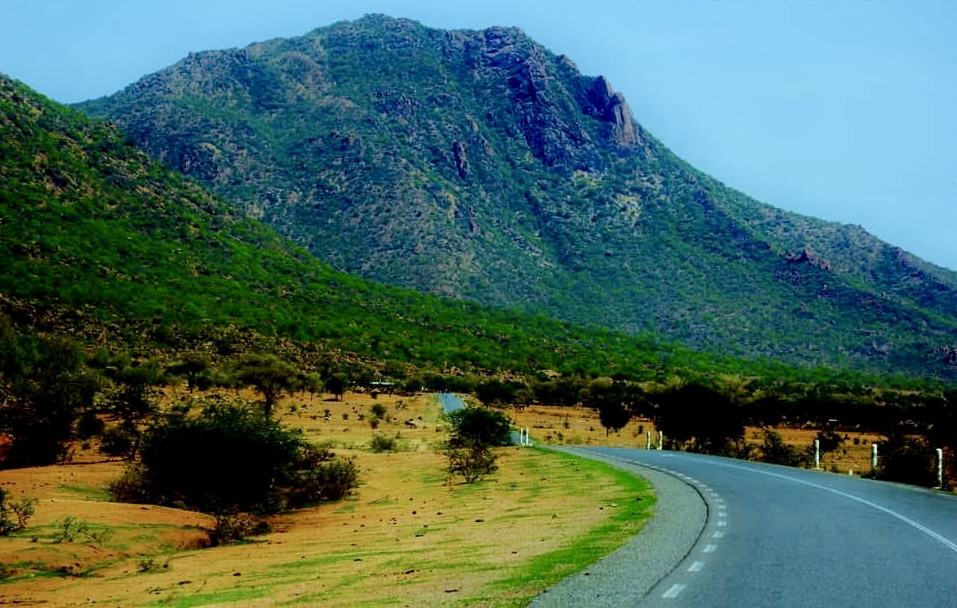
[99,241]
[494,171]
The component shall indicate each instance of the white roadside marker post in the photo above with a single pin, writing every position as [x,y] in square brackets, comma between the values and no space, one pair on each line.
[873,456]
[940,468]
[817,454]
[647,440]
[661,440]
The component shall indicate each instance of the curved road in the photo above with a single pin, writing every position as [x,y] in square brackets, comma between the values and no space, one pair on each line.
[778,536]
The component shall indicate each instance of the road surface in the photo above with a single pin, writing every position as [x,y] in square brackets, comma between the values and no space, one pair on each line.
[773,536]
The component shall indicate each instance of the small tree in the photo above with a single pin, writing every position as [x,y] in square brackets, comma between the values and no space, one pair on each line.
[195,367]
[337,384]
[44,386]
[132,404]
[14,514]
[475,431]
[268,374]
[480,426]
[694,411]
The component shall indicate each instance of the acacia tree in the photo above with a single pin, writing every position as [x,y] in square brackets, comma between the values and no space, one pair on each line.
[475,431]
[610,401]
[269,375]
[336,384]
[132,403]
[696,412]
[44,387]
[194,367]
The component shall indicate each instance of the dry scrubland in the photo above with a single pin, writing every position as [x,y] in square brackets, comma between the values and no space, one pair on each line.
[580,426]
[406,537]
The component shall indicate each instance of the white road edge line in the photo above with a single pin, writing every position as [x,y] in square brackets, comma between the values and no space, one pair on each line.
[910,522]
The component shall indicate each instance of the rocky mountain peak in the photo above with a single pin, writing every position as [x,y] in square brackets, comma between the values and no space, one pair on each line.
[479,164]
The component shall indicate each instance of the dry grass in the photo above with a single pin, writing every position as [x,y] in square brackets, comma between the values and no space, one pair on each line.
[406,537]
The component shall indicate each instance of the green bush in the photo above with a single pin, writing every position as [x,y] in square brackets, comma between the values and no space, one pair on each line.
[775,451]
[383,443]
[14,515]
[480,426]
[232,458]
[906,460]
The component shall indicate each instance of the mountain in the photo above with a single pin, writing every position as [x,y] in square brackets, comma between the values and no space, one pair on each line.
[479,165]
[100,242]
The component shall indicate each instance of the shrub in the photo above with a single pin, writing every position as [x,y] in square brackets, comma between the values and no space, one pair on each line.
[229,459]
[378,411]
[472,462]
[383,443]
[906,460]
[229,528]
[331,480]
[775,451]
[14,515]
[71,529]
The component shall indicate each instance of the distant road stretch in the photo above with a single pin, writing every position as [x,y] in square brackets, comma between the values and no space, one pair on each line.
[779,536]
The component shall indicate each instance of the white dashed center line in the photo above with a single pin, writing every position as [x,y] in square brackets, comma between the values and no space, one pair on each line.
[673,591]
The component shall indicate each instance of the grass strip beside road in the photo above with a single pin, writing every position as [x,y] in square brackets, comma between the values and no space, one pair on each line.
[499,542]
[630,504]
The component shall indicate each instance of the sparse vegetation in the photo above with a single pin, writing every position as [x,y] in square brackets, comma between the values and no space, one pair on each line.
[383,443]
[14,514]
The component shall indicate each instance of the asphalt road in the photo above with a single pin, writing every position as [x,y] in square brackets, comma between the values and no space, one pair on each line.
[775,536]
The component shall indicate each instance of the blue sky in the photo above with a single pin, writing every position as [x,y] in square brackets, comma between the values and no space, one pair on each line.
[839,109]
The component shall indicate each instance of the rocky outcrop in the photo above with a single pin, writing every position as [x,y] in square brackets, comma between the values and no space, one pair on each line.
[610,107]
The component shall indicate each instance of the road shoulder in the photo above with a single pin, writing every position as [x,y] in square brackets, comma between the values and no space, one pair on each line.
[628,574]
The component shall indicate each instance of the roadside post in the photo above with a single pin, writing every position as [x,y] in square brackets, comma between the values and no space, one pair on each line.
[817,454]
[873,456]
[940,468]
[647,440]
[661,440]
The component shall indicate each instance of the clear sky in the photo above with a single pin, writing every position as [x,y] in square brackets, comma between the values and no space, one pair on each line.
[841,109]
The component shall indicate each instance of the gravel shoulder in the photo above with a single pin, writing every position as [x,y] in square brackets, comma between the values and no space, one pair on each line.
[627,575]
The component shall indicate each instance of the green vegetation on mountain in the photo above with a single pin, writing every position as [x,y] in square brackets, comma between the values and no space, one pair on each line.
[105,249]
[99,242]
[478,165]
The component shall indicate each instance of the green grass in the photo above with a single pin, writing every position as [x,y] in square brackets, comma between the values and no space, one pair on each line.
[206,599]
[629,517]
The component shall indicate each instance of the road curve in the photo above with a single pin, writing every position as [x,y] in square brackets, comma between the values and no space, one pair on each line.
[779,536]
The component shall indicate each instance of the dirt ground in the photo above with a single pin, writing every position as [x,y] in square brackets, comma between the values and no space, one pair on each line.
[405,537]
[398,540]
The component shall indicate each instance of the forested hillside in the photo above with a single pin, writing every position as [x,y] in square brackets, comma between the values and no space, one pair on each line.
[100,242]
[493,171]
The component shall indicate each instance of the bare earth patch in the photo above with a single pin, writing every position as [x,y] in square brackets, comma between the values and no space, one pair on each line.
[406,537]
